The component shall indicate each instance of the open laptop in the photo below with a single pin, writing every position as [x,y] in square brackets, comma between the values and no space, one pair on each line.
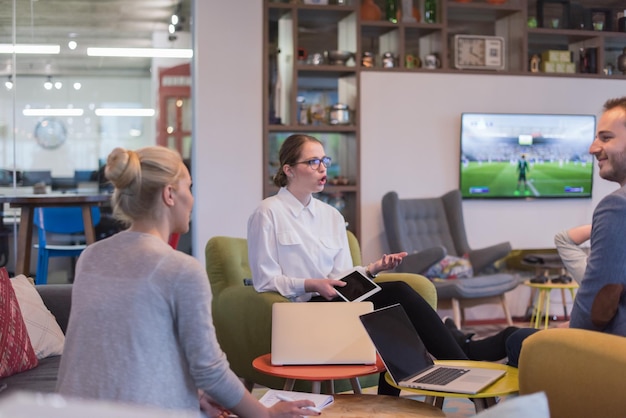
[321,333]
[409,363]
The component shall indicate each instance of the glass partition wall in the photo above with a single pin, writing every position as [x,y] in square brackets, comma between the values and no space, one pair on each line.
[80,78]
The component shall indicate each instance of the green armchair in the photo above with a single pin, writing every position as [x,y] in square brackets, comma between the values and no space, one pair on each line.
[243,317]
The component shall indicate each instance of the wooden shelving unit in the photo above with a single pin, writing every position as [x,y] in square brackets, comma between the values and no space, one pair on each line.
[301,30]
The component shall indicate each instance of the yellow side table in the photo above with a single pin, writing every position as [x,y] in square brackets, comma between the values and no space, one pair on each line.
[506,385]
[542,303]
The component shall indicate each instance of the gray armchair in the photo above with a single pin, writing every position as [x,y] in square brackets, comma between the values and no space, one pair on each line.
[430,228]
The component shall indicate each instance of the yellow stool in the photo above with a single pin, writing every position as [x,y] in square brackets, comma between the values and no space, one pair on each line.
[542,304]
[506,385]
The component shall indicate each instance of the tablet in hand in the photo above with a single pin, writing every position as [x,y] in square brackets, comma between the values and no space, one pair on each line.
[358,287]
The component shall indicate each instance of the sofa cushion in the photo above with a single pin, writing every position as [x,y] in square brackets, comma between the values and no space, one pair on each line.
[42,378]
[16,351]
[451,267]
[44,332]
[476,287]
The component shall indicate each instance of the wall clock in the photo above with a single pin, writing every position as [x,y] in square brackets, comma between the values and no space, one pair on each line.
[50,133]
[478,52]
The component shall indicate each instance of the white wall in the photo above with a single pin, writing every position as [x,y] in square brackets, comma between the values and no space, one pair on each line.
[410,128]
[227,158]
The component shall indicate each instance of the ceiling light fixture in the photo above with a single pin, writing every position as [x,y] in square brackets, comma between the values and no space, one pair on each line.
[175,24]
[29,49]
[72,45]
[48,84]
[52,112]
[140,52]
[9,83]
[58,85]
[124,112]
[77,86]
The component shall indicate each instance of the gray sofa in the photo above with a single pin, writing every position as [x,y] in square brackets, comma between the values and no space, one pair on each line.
[43,378]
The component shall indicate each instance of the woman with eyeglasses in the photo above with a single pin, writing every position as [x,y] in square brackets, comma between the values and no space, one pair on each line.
[298,247]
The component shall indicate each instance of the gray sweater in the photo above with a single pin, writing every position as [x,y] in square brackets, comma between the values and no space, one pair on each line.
[141,329]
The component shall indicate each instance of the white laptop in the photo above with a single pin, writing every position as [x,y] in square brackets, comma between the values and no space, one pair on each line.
[321,333]
[409,363]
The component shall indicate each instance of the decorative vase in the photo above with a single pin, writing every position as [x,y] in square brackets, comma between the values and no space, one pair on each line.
[430,11]
[391,11]
[621,62]
[370,10]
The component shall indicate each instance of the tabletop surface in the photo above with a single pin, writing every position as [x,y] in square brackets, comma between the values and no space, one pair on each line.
[549,285]
[318,371]
[548,261]
[54,199]
[378,406]
[506,385]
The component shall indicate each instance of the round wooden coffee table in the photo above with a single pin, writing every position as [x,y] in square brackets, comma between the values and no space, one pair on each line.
[378,406]
[506,385]
[318,373]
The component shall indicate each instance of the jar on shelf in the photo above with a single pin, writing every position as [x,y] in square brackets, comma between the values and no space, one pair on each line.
[339,114]
[370,10]
[337,201]
[304,116]
[389,60]
[621,62]
[391,10]
[367,59]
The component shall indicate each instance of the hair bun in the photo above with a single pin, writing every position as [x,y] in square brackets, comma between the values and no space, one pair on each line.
[122,167]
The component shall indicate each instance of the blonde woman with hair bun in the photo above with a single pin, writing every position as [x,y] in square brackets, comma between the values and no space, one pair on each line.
[141,329]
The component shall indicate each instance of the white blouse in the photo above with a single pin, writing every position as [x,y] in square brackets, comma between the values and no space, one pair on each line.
[289,242]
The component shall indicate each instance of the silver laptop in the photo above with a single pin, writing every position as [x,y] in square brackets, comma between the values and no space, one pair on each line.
[409,363]
[321,333]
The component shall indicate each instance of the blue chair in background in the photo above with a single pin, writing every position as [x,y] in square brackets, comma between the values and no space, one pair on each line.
[59,221]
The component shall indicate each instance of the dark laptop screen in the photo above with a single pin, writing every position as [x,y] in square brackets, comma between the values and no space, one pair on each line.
[397,342]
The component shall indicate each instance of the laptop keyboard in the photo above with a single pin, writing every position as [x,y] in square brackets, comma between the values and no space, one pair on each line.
[441,376]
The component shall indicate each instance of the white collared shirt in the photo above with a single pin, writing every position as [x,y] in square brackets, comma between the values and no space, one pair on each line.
[289,242]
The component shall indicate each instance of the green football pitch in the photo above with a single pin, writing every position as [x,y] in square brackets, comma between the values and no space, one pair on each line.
[548,179]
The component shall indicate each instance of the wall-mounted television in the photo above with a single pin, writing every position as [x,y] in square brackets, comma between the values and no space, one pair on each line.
[523,156]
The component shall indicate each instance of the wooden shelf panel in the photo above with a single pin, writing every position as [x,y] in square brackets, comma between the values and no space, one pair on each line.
[481,12]
[567,35]
[320,16]
[326,71]
[313,128]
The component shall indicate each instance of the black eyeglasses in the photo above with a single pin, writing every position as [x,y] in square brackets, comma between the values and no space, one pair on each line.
[314,163]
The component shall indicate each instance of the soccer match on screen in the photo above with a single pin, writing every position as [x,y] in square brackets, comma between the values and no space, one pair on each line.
[526,155]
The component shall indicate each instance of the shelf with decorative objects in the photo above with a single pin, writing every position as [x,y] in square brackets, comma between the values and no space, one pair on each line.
[311,74]
[514,22]
[315,50]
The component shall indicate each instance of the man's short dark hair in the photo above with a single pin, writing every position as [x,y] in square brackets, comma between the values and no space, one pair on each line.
[613,103]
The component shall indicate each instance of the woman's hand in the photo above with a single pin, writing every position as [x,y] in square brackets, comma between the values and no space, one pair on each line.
[325,287]
[211,408]
[387,262]
[293,409]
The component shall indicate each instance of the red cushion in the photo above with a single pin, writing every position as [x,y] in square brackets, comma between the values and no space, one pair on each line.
[16,351]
